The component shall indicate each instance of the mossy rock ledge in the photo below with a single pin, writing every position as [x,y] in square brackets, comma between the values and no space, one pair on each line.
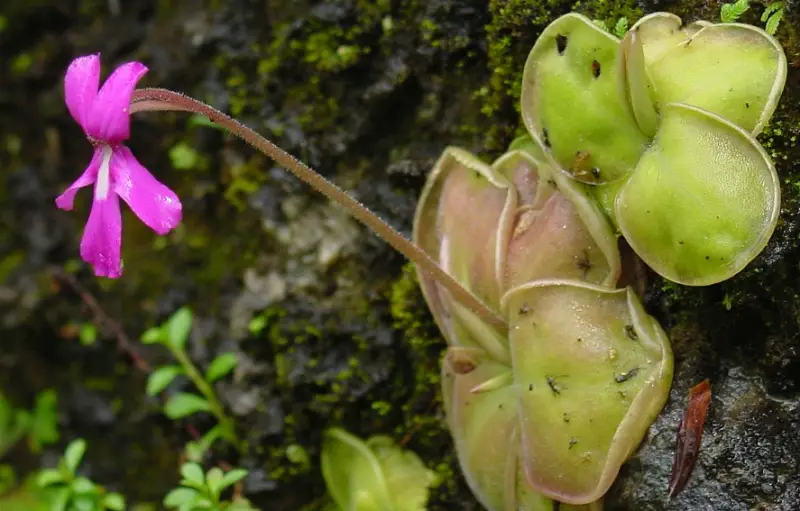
[370,93]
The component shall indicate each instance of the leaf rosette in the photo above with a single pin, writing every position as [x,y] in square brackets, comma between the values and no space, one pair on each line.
[660,126]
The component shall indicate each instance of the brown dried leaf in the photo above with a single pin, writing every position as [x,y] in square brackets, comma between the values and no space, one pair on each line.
[690,434]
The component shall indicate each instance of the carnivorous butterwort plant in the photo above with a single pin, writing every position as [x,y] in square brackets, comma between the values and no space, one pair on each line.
[554,371]
[550,406]
[660,128]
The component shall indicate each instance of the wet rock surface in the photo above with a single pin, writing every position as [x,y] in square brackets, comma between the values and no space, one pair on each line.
[369,93]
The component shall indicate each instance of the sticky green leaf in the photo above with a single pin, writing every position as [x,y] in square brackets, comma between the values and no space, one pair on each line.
[735,71]
[636,84]
[661,31]
[352,473]
[612,351]
[558,230]
[184,404]
[462,178]
[470,252]
[572,103]
[475,420]
[221,367]
[704,199]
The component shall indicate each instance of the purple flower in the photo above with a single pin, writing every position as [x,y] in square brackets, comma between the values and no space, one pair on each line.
[105,118]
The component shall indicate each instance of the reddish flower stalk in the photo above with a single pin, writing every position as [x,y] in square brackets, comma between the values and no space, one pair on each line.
[144,100]
[690,435]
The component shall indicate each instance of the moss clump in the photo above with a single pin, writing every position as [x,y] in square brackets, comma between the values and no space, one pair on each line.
[412,318]
[510,34]
[423,429]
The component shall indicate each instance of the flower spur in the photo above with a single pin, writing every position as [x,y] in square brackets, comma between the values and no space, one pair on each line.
[104,114]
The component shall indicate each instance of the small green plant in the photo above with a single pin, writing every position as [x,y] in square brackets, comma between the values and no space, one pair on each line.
[730,13]
[40,426]
[374,475]
[258,324]
[87,333]
[772,16]
[173,335]
[71,492]
[601,24]
[621,27]
[183,156]
[200,490]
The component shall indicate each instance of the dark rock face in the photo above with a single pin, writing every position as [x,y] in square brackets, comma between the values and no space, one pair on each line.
[369,93]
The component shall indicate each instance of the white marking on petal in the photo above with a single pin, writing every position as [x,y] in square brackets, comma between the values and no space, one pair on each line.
[103,175]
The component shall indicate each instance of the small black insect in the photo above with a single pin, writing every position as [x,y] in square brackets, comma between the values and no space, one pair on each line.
[623,377]
[554,386]
[595,69]
[631,333]
[583,263]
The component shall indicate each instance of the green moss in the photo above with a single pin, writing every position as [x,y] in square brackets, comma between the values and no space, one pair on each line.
[309,53]
[9,263]
[415,322]
[420,427]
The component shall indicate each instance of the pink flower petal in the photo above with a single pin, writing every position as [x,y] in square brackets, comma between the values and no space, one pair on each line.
[80,86]
[66,199]
[153,202]
[101,245]
[109,119]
